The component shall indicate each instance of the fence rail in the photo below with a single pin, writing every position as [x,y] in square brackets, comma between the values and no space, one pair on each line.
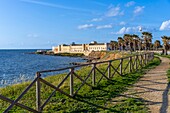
[125,65]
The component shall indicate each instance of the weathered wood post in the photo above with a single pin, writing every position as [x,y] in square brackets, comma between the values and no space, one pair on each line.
[38,93]
[136,62]
[121,66]
[149,55]
[152,55]
[130,64]
[94,74]
[141,60]
[109,69]
[71,82]
[145,59]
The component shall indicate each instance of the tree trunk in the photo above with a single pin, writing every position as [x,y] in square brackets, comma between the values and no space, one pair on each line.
[145,47]
[130,47]
[165,50]
[139,47]
[134,47]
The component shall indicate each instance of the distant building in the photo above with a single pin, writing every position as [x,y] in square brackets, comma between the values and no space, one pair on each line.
[81,48]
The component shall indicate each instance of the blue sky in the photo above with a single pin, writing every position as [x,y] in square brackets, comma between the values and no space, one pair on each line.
[46,23]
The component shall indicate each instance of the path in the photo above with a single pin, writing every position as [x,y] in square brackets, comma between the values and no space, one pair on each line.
[153,88]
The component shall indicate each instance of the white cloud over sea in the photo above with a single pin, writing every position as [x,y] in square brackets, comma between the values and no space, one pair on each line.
[138,9]
[114,11]
[104,26]
[165,25]
[131,3]
[85,26]
[124,30]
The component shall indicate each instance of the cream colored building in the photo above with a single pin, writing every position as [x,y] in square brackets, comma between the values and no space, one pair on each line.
[81,48]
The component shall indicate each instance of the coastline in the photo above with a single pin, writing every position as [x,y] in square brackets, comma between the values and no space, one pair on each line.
[44,52]
[21,65]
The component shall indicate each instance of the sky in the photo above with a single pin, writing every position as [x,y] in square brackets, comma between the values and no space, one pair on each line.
[41,24]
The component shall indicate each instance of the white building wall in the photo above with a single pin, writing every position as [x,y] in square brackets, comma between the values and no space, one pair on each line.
[84,48]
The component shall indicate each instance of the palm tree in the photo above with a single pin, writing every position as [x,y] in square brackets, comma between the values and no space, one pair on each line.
[140,44]
[165,40]
[147,36]
[126,38]
[150,40]
[157,44]
[128,41]
[135,41]
[113,45]
[120,43]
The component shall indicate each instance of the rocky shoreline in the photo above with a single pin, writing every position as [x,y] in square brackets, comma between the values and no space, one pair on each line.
[45,52]
[94,56]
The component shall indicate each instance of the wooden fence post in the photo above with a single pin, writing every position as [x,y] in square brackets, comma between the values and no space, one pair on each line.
[152,55]
[145,59]
[121,66]
[149,59]
[71,82]
[130,64]
[38,93]
[94,75]
[141,61]
[136,62]
[109,69]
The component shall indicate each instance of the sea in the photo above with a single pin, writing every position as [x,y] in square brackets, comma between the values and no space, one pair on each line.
[19,65]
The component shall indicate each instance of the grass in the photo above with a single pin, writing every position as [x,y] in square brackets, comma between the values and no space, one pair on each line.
[168,72]
[70,54]
[88,99]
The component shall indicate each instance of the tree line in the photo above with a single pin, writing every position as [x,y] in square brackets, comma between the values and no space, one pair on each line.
[132,42]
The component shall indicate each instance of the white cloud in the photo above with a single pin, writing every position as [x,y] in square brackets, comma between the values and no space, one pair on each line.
[138,9]
[122,23]
[32,35]
[85,26]
[114,11]
[104,26]
[96,19]
[131,3]
[149,28]
[54,5]
[165,25]
[124,30]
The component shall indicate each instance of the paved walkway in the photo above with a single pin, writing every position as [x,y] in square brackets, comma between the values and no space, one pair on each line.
[153,88]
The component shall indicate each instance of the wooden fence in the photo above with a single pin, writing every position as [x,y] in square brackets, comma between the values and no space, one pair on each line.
[133,63]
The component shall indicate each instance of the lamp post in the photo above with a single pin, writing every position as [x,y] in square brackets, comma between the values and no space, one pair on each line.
[140,40]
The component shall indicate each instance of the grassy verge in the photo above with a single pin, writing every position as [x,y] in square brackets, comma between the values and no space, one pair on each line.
[87,100]
[70,54]
[168,72]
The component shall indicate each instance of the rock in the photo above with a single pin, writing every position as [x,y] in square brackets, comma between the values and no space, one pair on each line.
[118,55]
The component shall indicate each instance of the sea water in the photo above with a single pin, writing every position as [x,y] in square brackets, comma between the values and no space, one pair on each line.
[18,65]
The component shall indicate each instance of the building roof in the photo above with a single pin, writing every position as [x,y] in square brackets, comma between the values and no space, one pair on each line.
[76,44]
[97,44]
[65,45]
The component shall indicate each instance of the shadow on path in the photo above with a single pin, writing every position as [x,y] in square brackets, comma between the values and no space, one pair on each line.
[165,100]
